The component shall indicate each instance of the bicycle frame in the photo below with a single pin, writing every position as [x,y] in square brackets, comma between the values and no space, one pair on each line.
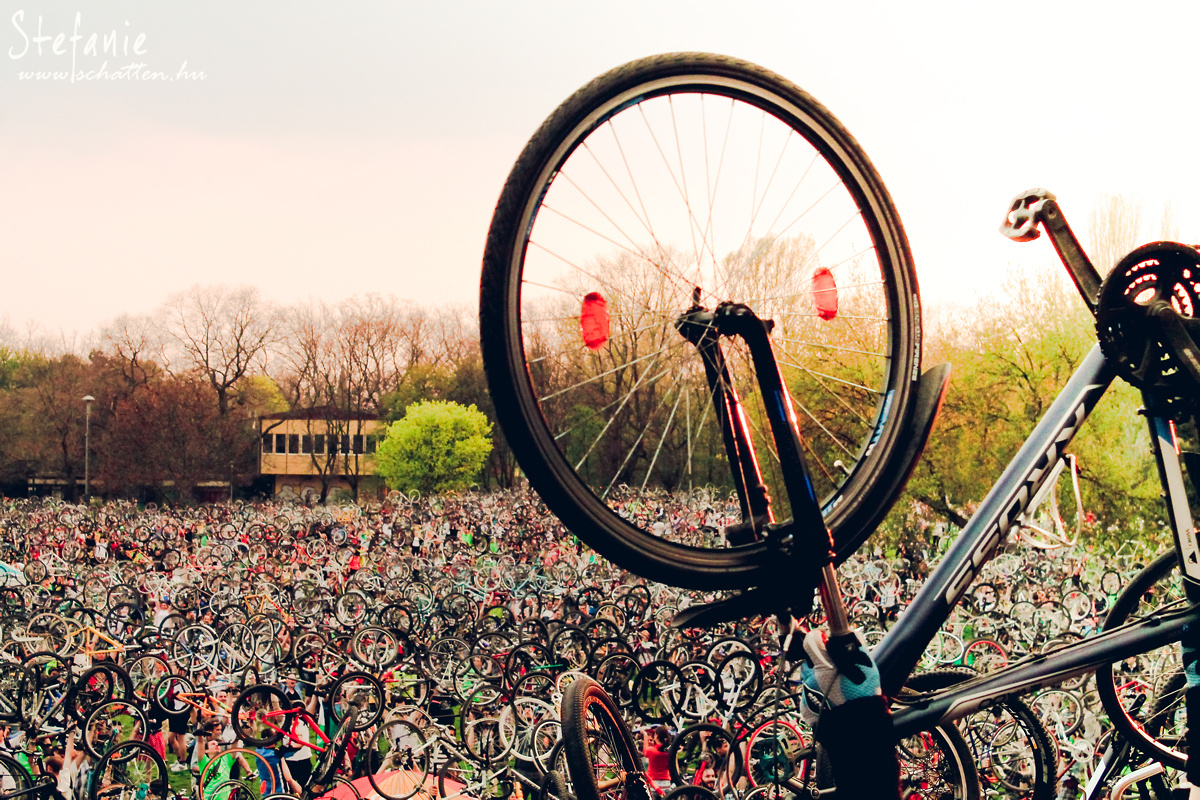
[294,716]
[1011,497]
[901,648]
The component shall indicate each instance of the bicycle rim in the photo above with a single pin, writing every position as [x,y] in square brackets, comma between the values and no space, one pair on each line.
[1132,691]
[596,741]
[669,179]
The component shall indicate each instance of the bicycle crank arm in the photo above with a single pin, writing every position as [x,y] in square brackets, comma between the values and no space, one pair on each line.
[1034,206]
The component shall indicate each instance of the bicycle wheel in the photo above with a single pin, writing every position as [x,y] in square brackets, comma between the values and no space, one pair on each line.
[359,691]
[331,761]
[260,715]
[470,780]
[658,690]
[236,760]
[673,182]
[1129,690]
[112,723]
[937,763]
[984,655]
[597,743]
[12,676]
[13,776]
[773,755]
[129,770]
[703,747]
[399,760]
[1167,723]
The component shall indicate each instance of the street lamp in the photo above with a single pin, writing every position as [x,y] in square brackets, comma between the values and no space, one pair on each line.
[87,447]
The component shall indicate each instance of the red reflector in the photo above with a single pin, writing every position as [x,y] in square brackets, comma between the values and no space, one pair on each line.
[825,294]
[593,320]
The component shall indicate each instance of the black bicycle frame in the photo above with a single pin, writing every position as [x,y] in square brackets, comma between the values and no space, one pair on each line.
[987,529]
[898,654]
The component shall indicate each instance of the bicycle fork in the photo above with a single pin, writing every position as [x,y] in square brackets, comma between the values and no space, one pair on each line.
[803,541]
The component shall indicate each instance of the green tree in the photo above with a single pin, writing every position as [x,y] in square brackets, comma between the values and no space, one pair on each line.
[438,446]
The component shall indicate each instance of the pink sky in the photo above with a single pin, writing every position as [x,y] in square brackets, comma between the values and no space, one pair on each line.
[336,150]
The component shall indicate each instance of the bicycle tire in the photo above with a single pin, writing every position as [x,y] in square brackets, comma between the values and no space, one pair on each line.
[99,684]
[254,760]
[236,789]
[596,740]
[13,775]
[362,692]
[134,765]
[400,747]
[937,763]
[12,677]
[847,451]
[1031,755]
[773,754]
[740,680]
[112,723]
[1153,590]
[474,780]
[553,786]
[1168,724]
[250,715]
[692,751]
[330,760]
[984,655]
[658,690]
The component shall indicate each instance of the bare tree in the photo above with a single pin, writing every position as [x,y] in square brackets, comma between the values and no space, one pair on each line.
[136,344]
[1115,228]
[1168,228]
[337,366]
[222,334]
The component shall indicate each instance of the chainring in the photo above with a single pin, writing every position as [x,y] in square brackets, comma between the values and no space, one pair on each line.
[1132,339]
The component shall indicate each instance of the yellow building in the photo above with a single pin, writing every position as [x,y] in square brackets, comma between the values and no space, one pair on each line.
[308,448]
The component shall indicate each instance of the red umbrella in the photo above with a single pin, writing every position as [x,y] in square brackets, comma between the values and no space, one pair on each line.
[396,783]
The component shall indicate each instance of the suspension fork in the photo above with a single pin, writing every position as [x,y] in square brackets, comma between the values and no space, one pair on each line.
[805,535]
[699,326]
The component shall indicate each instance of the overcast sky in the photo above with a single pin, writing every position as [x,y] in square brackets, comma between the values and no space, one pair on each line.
[332,148]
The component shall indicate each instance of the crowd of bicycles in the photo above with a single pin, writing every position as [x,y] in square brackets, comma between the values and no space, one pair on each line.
[422,646]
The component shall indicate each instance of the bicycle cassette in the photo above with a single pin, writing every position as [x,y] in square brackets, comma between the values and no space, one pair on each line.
[1130,326]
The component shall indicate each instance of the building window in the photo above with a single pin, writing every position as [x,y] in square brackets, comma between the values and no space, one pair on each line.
[319,443]
[345,443]
[293,443]
[267,441]
[358,444]
[306,443]
[281,443]
[372,442]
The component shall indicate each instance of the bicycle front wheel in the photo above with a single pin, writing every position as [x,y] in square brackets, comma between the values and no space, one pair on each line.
[602,759]
[130,769]
[671,183]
